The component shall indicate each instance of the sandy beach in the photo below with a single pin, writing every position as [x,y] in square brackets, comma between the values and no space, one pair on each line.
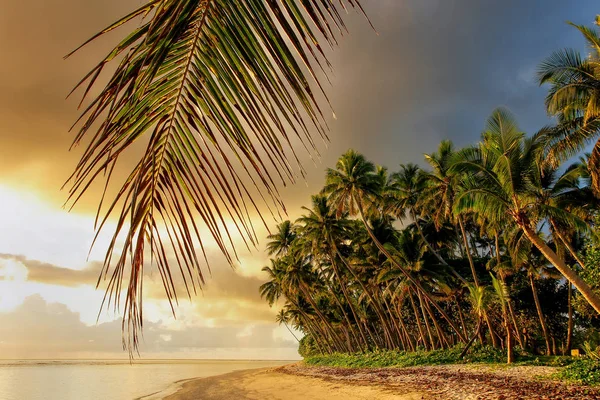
[278,384]
[451,382]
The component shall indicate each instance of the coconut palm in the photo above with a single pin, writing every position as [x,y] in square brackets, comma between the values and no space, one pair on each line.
[216,91]
[352,187]
[321,230]
[283,318]
[479,300]
[503,298]
[574,98]
[280,242]
[501,182]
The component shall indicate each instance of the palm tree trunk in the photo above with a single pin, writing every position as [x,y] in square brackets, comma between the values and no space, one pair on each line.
[475,280]
[570,323]
[418,320]
[352,338]
[426,321]
[397,330]
[509,338]
[583,288]
[376,306]
[538,306]
[404,330]
[408,276]
[513,318]
[460,315]
[440,332]
[468,251]
[567,244]
[350,304]
[288,328]
[470,342]
[308,322]
[334,336]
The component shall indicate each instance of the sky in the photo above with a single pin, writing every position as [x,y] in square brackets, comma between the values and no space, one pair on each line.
[435,70]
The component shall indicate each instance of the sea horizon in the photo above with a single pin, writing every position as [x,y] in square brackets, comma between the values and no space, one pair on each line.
[96,379]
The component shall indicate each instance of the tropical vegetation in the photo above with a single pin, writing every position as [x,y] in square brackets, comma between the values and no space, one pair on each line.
[493,244]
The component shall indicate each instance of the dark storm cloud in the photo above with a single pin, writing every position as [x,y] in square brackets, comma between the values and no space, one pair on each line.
[436,70]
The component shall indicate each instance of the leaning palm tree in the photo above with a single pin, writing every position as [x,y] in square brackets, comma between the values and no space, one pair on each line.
[320,231]
[353,187]
[218,93]
[502,181]
[283,318]
[574,98]
[479,299]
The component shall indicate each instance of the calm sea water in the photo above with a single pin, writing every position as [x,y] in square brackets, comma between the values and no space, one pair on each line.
[106,380]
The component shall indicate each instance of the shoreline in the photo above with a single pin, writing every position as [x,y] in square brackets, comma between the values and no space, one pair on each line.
[448,382]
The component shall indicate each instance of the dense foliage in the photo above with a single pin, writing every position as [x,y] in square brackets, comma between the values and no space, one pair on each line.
[493,244]
[394,358]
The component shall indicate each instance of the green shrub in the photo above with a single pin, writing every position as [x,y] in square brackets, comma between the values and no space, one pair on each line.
[388,358]
[584,370]
[308,347]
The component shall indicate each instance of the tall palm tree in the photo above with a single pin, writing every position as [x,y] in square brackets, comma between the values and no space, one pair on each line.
[283,318]
[574,98]
[219,94]
[280,242]
[441,185]
[321,230]
[503,298]
[351,188]
[501,182]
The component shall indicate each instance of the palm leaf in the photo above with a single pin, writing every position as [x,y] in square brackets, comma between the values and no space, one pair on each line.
[218,92]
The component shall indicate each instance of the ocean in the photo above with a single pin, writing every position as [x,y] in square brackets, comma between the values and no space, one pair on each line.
[107,379]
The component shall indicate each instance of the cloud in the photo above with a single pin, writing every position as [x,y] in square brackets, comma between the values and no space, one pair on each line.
[40,329]
[223,282]
[42,272]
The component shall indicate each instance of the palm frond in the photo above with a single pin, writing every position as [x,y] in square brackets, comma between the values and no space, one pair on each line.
[218,91]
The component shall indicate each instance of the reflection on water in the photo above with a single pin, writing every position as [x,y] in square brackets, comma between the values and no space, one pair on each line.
[101,380]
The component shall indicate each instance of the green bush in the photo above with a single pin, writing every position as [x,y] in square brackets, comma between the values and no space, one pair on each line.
[308,347]
[388,358]
[584,370]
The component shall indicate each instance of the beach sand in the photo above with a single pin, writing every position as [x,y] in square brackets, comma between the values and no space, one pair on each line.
[444,382]
[275,384]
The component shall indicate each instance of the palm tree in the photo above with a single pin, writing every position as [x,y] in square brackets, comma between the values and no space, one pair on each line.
[351,187]
[283,318]
[217,91]
[438,196]
[281,241]
[321,230]
[479,302]
[501,180]
[574,99]
[503,298]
